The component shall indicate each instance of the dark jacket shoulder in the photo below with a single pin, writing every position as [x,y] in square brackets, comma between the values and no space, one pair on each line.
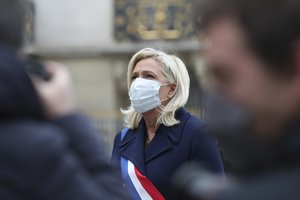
[31,138]
[204,147]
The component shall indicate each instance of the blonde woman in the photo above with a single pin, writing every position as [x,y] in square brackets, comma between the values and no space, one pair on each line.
[160,134]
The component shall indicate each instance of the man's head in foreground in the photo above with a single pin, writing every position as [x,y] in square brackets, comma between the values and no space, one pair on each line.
[253,53]
[12,22]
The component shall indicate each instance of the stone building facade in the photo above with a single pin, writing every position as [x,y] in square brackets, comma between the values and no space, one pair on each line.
[96,38]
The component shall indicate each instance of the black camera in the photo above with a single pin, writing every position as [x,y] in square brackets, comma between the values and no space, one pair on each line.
[35,67]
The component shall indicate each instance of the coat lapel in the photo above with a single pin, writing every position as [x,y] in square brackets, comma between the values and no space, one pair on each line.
[166,136]
[159,144]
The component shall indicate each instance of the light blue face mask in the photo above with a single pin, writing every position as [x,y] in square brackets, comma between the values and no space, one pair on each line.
[144,94]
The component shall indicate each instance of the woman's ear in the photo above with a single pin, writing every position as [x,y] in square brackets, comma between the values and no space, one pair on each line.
[173,87]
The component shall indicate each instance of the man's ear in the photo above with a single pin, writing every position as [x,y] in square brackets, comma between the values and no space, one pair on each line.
[172,91]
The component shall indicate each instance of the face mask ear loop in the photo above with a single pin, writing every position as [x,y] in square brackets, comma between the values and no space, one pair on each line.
[161,107]
[173,92]
[165,99]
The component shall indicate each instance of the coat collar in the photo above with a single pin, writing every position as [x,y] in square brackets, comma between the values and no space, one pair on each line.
[132,146]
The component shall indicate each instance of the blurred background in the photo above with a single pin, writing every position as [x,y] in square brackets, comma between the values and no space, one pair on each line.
[96,38]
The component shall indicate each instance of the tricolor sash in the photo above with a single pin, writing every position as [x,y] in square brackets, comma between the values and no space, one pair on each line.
[138,185]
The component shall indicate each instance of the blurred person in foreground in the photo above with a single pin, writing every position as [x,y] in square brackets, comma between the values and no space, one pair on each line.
[160,134]
[47,150]
[253,55]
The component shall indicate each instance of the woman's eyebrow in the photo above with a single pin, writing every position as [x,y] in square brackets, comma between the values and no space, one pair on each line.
[134,73]
[146,71]
[142,71]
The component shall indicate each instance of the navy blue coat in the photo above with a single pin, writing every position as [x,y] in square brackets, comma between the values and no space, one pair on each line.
[42,159]
[171,147]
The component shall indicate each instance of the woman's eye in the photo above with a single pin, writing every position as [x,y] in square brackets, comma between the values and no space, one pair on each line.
[133,78]
[149,76]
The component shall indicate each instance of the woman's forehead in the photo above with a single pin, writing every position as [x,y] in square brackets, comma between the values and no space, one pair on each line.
[148,64]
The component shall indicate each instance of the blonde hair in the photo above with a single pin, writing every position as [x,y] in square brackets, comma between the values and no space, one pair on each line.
[175,72]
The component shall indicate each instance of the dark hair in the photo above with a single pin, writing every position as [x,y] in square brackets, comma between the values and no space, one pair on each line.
[271,26]
[12,22]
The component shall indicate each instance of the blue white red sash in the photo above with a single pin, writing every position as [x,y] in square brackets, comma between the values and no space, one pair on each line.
[138,185]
